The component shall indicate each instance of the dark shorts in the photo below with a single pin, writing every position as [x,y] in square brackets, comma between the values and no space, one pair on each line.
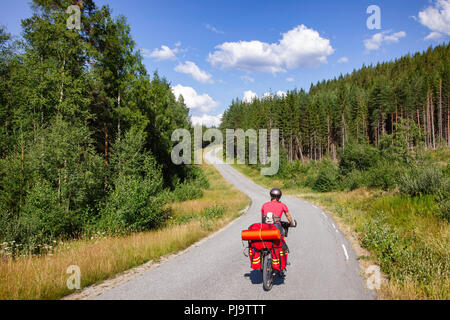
[280,227]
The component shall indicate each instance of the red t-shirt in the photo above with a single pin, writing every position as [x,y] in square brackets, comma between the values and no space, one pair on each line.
[276,207]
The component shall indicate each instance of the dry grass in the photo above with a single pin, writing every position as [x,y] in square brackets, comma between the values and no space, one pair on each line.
[45,277]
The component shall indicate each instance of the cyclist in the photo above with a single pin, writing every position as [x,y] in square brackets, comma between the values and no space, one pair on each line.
[272,211]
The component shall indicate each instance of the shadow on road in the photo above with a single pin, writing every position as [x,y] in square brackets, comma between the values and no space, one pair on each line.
[257,278]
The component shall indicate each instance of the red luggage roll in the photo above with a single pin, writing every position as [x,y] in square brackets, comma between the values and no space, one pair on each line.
[261,235]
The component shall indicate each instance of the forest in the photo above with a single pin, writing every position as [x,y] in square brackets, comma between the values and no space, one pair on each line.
[85,134]
[372,128]
[363,106]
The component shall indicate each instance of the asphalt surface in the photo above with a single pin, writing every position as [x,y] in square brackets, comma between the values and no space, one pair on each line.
[323,264]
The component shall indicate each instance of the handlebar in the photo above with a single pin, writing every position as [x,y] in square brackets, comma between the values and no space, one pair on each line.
[287,225]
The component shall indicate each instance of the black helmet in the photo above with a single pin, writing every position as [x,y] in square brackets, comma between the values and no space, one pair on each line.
[276,193]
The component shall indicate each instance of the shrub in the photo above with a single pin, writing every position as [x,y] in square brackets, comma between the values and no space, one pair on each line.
[444,209]
[354,180]
[421,181]
[444,200]
[136,199]
[328,177]
[383,175]
[357,156]
[402,257]
[132,206]
[187,191]
[197,176]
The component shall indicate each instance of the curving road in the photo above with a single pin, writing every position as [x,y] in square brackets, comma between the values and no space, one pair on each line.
[323,265]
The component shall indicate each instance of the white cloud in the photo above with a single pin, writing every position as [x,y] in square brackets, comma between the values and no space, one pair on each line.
[213,29]
[437,19]
[248,79]
[433,35]
[290,79]
[207,120]
[249,96]
[343,60]
[281,94]
[267,95]
[194,71]
[165,53]
[378,39]
[194,101]
[299,47]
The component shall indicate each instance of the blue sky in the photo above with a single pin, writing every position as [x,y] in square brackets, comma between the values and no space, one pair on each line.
[215,51]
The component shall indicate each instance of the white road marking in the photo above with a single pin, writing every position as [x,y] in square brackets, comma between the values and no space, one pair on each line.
[345,252]
[337,231]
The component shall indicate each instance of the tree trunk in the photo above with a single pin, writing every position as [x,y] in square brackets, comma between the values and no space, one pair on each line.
[106,143]
[300,148]
[343,130]
[432,122]
[118,108]
[328,133]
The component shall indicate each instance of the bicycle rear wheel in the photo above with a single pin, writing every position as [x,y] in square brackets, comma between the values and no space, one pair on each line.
[267,272]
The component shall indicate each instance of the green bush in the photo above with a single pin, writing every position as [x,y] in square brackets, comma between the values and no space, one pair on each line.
[354,180]
[328,177]
[136,198]
[357,156]
[444,209]
[444,200]
[421,180]
[187,191]
[383,175]
[404,257]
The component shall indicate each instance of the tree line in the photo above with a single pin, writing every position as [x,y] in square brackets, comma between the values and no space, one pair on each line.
[363,106]
[85,134]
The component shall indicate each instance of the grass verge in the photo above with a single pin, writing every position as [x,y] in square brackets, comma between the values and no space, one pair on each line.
[45,277]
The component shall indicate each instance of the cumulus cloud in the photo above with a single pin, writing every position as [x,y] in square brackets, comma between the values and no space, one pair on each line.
[194,71]
[207,120]
[343,60]
[165,53]
[266,95]
[437,19]
[249,96]
[299,47]
[194,101]
[290,79]
[281,94]
[378,39]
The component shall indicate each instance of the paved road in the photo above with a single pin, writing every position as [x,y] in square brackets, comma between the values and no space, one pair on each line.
[323,265]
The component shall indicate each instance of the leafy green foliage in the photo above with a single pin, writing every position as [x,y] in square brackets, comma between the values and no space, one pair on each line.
[85,133]
[328,177]
[356,156]
[421,180]
[403,257]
